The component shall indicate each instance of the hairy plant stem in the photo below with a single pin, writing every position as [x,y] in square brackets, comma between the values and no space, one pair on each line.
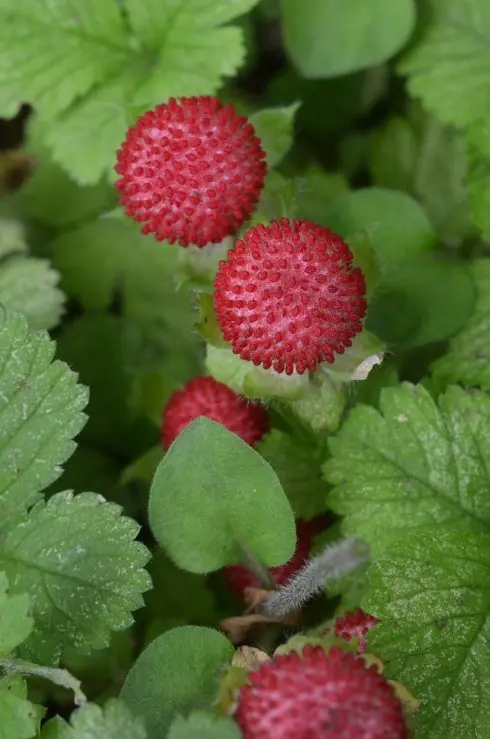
[53,674]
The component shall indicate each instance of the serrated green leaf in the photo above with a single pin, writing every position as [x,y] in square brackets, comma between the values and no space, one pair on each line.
[449,66]
[15,623]
[31,285]
[298,469]
[324,42]
[19,718]
[202,725]
[274,127]
[176,672]
[228,500]
[77,559]
[419,155]
[27,284]
[413,466]
[41,407]
[104,74]
[113,721]
[53,52]
[431,593]
[468,357]
[422,297]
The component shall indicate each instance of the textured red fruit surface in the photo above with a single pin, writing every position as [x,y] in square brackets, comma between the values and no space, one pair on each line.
[355,623]
[192,171]
[319,695]
[288,296]
[238,577]
[205,396]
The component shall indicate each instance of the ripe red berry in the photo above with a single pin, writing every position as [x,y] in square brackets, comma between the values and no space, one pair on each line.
[238,577]
[192,171]
[319,695]
[355,624]
[288,296]
[205,396]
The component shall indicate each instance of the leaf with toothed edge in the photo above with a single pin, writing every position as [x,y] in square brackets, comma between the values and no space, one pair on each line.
[77,558]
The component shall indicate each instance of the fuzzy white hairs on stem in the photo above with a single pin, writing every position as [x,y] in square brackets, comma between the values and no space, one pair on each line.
[336,561]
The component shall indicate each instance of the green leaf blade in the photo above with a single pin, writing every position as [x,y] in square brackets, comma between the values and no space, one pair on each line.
[324,42]
[113,721]
[15,623]
[202,725]
[205,513]
[449,66]
[41,407]
[468,357]
[175,672]
[432,594]
[77,558]
[412,466]
[52,53]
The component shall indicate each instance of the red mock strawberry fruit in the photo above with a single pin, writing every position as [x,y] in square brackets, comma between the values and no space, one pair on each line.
[288,296]
[319,695]
[355,624]
[192,171]
[205,396]
[238,577]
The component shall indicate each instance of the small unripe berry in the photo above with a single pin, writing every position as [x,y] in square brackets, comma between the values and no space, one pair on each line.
[192,171]
[205,396]
[288,296]
[355,623]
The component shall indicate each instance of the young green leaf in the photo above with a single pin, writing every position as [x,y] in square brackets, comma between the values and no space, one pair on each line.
[15,623]
[275,128]
[413,465]
[432,595]
[19,718]
[324,42]
[77,559]
[449,66]
[113,721]
[298,469]
[41,406]
[205,514]
[176,672]
[202,725]
[468,358]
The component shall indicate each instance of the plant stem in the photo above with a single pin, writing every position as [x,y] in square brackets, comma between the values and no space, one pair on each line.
[53,674]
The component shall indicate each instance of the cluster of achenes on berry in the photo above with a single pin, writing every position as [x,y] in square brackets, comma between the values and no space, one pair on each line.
[287,298]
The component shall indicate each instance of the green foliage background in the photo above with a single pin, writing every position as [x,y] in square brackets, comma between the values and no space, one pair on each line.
[375,119]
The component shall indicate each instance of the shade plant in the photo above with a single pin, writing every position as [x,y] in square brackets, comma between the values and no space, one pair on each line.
[244,411]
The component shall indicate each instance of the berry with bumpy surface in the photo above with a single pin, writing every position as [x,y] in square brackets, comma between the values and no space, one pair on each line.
[192,171]
[238,577]
[319,695]
[205,396]
[355,623]
[288,296]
